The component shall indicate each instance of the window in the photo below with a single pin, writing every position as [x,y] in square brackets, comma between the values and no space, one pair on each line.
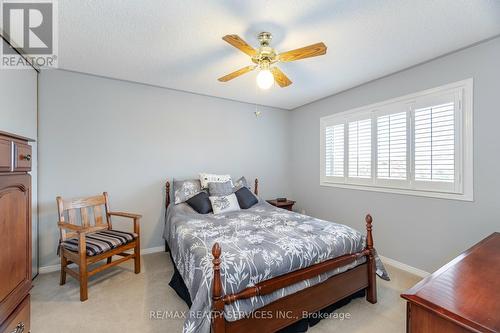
[360,148]
[435,143]
[334,136]
[391,146]
[420,144]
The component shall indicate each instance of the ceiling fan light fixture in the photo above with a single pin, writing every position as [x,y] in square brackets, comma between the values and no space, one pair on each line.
[265,79]
[265,56]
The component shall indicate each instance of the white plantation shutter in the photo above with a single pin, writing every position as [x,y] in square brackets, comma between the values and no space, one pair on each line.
[419,144]
[334,151]
[360,148]
[392,146]
[435,143]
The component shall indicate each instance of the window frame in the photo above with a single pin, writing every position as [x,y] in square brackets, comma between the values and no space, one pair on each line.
[460,189]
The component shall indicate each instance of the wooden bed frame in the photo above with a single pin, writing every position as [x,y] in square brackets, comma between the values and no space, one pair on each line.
[287,310]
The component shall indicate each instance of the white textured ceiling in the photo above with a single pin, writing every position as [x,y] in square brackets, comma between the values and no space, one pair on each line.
[177,44]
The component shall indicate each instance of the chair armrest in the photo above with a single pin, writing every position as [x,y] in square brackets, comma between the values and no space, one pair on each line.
[135,218]
[69,226]
[123,214]
[80,229]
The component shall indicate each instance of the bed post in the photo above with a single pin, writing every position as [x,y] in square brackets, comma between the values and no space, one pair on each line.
[218,322]
[256,187]
[167,194]
[371,291]
[167,202]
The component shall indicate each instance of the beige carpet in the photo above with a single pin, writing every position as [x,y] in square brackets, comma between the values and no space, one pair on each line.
[121,301]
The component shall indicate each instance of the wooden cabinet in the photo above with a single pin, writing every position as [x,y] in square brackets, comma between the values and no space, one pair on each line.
[22,157]
[5,155]
[19,320]
[15,232]
[462,296]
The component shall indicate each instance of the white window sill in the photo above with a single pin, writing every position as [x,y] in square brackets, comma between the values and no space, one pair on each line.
[419,193]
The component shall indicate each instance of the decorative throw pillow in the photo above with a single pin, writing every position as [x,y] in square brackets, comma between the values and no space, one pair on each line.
[185,189]
[246,198]
[200,203]
[206,178]
[220,189]
[226,204]
[241,182]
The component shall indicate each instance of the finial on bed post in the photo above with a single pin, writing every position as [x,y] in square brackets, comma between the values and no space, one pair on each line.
[256,188]
[369,236]
[371,291]
[217,301]
[167,195]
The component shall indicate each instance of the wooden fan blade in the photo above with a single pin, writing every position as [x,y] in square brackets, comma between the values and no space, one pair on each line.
[240,44]
[280,77]
[237,73]
[304,52]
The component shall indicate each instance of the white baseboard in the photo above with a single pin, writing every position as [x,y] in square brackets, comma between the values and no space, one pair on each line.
[49,269]
[410,269]
[153,250]
[56,268]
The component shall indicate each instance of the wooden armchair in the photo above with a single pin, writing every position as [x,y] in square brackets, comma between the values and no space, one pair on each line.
[84,243]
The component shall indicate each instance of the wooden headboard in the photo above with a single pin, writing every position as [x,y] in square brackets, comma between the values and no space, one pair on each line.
[167,188]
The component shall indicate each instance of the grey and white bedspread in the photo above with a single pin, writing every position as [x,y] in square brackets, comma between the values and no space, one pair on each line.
[257,244]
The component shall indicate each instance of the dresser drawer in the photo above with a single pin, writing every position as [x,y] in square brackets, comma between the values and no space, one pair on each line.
[5,155]
[22,157]
[19,320]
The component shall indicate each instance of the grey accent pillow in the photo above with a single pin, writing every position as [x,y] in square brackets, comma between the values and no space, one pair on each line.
[241,182]
[220,189]
[186,189]
[226,204]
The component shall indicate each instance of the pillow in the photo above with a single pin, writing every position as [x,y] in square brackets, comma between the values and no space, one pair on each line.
[246,198]
[220,189]
[241,182]
[206,178]
[226,204]
[185,189]
[200,203]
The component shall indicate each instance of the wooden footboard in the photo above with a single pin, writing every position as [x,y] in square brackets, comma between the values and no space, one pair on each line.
[307,300]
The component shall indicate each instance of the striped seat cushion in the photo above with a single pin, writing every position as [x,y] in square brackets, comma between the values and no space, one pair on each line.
[101,241]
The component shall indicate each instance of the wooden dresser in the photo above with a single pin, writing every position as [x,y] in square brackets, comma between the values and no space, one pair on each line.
[15,233]
[462,296]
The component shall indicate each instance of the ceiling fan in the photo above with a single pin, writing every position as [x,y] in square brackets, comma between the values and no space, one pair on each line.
[265,58]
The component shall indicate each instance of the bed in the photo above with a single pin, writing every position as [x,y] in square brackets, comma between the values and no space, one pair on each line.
[263,269]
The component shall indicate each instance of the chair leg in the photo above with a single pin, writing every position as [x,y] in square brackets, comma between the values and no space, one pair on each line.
[108,261]
[83,268]
[64,263]
[83,281]
[137,254]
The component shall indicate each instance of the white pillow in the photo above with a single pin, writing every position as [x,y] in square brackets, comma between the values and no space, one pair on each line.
[206,178]
[225,204]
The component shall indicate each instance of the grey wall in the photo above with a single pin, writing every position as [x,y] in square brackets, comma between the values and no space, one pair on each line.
[421,232]
[18,102]
[105,135]
[18,115]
